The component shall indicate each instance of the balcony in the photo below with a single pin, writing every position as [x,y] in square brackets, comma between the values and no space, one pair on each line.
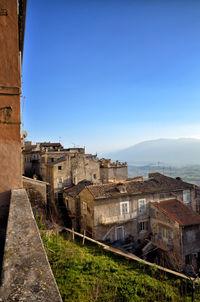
[162,243]
[119,218]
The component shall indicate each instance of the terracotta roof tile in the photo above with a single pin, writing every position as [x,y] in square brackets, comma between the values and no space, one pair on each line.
[178,211]
[156,184]
[75,190]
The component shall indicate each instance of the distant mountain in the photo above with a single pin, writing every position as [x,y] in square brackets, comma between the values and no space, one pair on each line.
[182,151]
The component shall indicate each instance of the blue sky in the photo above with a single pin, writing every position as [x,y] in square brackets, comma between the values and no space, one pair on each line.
[109,74]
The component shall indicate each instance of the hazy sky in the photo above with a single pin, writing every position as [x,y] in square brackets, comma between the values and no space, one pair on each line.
[107,74]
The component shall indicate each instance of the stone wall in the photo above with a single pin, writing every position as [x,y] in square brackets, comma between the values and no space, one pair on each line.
[116,172]
[85,168]
[27,274]
[37,186]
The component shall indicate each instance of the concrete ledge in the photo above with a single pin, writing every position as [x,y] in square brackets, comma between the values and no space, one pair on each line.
[27,275]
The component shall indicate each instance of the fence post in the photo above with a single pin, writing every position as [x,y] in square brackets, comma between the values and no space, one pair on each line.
[83,237]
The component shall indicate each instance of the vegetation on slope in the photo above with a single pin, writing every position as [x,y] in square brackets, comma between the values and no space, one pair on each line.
[88,273]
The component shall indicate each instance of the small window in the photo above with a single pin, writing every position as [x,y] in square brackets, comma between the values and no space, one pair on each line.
[143,226]
[60,182]
[186,196]
[188,259]
[142,205]
[94,176]
[162,196]
[67,203]
[59,167]
[84,207]
[124,207]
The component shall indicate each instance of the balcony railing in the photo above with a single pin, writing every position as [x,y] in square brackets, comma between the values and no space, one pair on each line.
[119,218]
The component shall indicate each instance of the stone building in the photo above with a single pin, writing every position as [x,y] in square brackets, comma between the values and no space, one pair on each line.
[61,168]
[117,210]
[113,171]
[175,230]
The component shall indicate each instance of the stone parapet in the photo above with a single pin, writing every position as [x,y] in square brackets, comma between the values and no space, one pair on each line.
[27,275]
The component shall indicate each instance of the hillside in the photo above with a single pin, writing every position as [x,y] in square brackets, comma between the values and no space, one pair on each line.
[88,273]
[183,151]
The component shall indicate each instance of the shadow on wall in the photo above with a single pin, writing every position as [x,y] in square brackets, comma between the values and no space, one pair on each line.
[4,211]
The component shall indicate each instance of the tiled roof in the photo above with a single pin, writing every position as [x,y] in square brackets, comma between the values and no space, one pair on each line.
[178,211]
[48,144]
[75,190]
[57,161]
[156,184]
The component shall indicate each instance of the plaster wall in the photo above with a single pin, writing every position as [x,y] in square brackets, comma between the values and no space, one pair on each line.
[10,143]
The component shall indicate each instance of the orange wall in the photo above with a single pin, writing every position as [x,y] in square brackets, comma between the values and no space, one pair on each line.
[10,88]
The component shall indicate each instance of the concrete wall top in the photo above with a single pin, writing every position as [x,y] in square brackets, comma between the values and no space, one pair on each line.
[27,273]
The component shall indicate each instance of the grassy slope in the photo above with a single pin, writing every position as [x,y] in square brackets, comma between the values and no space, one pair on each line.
[87,273]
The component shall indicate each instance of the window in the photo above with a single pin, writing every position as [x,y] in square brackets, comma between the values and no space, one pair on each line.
[120,233]
[164,233]
[142,205]
[59,167]
[143,226]
[124,207]
[94,176]
[191,236]
[162,196]
[67,203]
[60,182]
[188,259]
[186,196]
[84,207]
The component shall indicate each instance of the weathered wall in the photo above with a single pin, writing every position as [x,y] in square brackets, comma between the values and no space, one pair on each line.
[27,273]
[159,219]
[37,186]
[10,143]
[108,233]
[116,172]
[85,168]
[191,239]
[86,214]
[65,173]
[111,207]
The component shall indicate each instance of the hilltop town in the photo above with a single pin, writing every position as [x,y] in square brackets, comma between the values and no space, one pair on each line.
[75,227]
[156,218]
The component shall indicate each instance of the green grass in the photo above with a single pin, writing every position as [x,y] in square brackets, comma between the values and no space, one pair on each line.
[88,273]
